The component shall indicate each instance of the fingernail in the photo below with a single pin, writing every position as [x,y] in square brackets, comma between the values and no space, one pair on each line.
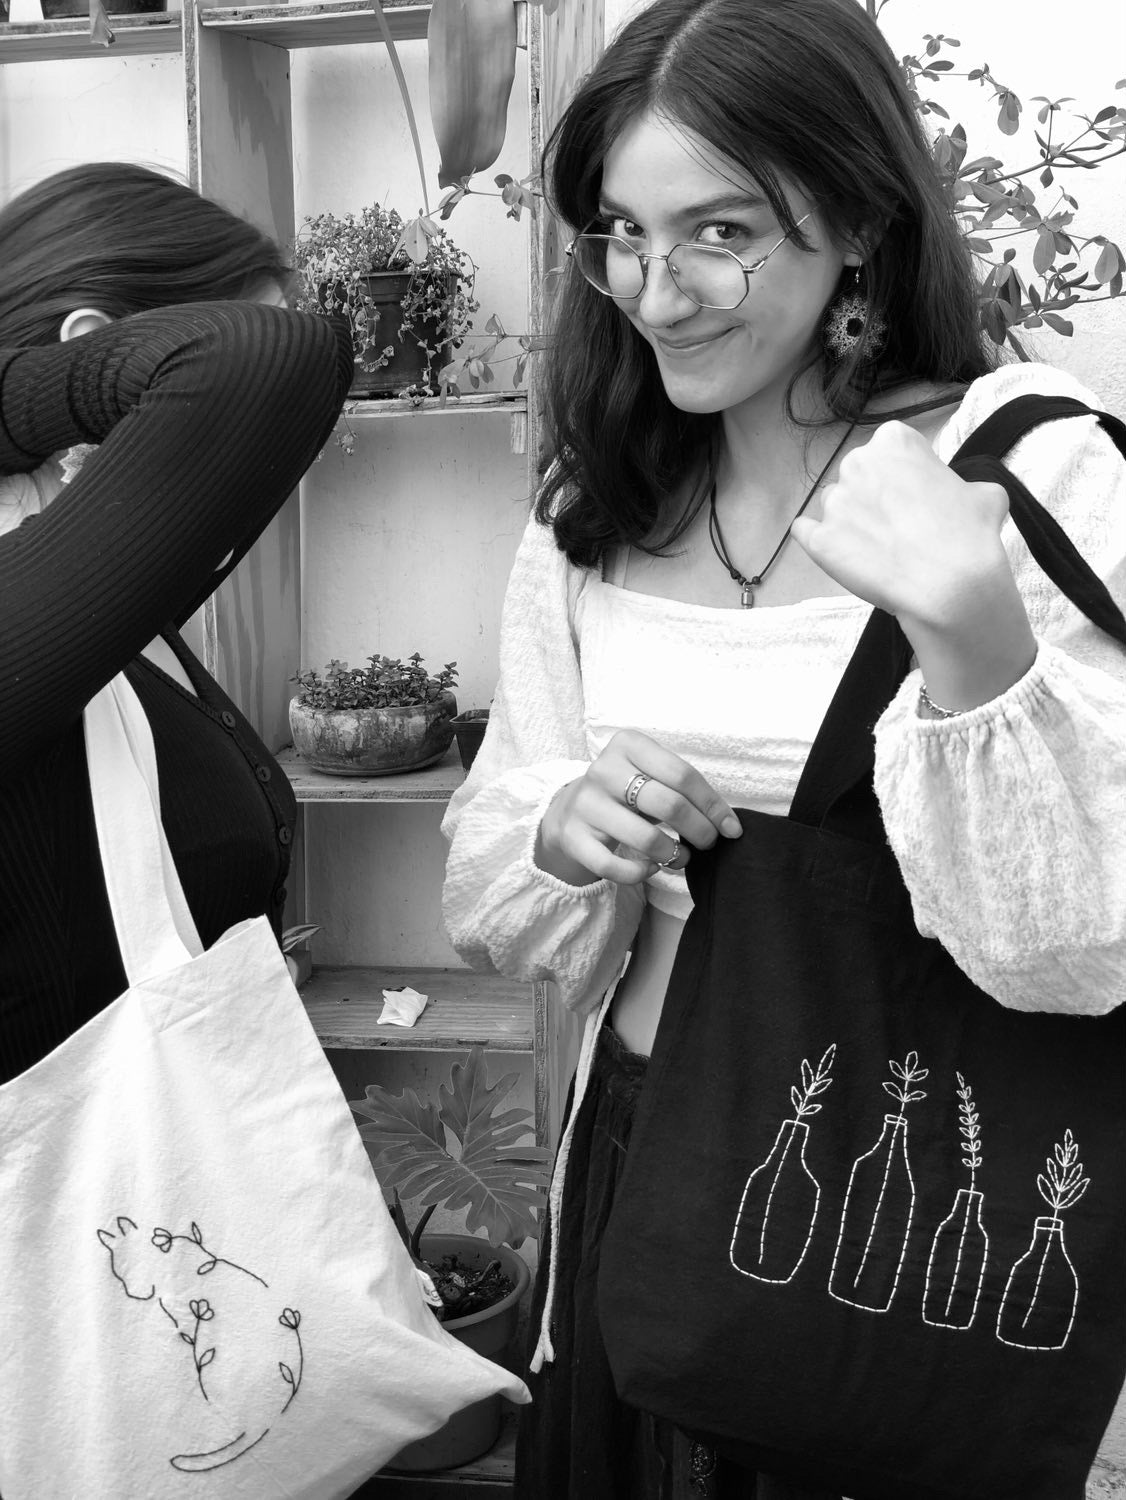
[731,826]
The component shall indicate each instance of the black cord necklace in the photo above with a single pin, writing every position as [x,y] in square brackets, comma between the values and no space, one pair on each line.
[720,546]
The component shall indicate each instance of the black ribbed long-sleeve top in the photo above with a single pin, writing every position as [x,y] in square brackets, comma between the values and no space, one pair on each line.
[206,416]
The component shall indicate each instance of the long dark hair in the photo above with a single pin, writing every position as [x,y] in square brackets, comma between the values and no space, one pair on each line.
[806,90]
[121,238]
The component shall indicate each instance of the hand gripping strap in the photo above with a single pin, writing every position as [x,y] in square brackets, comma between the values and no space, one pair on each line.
[838,772]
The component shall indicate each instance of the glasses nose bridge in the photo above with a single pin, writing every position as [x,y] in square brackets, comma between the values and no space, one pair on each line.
[645,256]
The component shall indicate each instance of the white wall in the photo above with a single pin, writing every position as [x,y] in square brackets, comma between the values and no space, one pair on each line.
[127,108]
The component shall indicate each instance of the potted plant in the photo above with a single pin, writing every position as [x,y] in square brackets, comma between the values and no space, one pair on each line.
[407,292]
[469,731]
[385,717]
[459,1152]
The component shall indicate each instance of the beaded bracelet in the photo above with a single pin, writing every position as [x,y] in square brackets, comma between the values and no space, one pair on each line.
[926,701]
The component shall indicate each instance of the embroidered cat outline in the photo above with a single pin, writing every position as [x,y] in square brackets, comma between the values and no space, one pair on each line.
[228,1321]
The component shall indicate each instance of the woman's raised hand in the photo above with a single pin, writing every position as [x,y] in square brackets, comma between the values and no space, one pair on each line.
[902,530]
[604,825]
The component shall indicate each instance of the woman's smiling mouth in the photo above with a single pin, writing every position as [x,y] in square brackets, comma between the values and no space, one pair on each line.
[683,348]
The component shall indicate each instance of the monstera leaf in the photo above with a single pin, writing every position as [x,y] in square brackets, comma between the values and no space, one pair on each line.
[501,1183]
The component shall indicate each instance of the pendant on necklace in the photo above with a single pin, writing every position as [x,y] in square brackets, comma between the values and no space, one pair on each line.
[747,598]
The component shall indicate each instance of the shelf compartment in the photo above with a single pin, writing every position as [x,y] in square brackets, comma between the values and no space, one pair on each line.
[65,40]
[432,784]
[362,409]
[334,23]
[464,1008]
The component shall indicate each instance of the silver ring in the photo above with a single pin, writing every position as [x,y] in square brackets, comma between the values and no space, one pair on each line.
[663,864]
[633,791]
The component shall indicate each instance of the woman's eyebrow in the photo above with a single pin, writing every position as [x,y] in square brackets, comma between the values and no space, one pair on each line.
[724,203]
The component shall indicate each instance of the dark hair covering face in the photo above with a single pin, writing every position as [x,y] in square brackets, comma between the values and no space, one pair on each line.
[801,91]
[123,239]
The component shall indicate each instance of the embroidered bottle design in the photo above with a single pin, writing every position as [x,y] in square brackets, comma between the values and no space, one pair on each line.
[1038,1308]
[879,1205]
[778,1209]
[960,1249]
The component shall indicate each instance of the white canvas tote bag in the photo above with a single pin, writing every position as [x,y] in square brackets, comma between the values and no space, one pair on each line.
[201,1291]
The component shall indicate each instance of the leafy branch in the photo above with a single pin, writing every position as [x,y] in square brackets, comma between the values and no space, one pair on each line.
[1062,1183]
[995,203]
[969,1128]
[812,1084]
[906,1074]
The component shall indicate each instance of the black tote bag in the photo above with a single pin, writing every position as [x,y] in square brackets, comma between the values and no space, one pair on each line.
[871,1232]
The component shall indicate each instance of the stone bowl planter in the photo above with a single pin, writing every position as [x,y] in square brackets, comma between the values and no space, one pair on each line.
[472,1431]
[372,741]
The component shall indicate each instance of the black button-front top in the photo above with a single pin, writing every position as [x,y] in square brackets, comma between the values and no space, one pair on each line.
[139,539]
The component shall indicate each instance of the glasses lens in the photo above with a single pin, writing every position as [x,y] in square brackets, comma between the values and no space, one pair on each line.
[609,264]
[710,276]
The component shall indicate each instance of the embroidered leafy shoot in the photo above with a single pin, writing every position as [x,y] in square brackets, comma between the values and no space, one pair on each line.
[1062,1183]
[906,1073]
[969,1128]
[812,1084]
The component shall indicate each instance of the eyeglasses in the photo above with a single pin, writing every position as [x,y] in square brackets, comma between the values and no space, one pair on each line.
[708,274]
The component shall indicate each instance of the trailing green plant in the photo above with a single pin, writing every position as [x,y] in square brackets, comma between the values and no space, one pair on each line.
[459,1152]
[996,202]
[385,682]
[334,253]
[471,63]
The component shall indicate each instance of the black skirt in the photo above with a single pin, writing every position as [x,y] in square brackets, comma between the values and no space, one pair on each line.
[577,1441]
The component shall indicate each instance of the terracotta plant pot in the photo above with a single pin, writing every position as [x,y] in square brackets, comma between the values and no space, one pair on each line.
[469,728]
[409,364]
[473,1430]
[372,741]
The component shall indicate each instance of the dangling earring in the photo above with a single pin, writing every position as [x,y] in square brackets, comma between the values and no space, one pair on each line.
[850,324]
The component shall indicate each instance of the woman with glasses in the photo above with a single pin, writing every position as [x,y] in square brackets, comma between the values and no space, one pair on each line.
[766,346]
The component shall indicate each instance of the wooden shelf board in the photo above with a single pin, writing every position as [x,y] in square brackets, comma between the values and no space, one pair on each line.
[344,1006]
[59,41]
[334,23]
[365,408]
[432,784]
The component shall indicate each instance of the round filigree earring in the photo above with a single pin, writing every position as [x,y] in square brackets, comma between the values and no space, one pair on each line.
[851,325]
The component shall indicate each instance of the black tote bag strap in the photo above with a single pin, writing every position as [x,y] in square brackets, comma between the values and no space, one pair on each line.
[835,789]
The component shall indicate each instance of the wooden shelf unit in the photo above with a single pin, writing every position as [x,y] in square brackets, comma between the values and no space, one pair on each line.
[328,23]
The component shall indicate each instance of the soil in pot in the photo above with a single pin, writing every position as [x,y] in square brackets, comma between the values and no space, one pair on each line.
[372,741]
[490,1331]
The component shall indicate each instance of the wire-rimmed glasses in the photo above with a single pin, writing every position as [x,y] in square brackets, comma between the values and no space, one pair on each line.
[707,274]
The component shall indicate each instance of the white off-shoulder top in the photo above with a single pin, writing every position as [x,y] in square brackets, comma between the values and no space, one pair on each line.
[1009,822]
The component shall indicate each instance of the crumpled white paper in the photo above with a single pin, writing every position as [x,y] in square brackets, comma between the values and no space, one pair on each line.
[401,1007]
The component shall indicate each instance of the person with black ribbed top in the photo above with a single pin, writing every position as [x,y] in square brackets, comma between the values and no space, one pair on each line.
[203,417]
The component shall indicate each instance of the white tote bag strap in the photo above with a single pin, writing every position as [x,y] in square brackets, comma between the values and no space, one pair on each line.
[155,929]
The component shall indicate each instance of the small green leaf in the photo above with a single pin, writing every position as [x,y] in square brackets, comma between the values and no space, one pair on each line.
[1061,325]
